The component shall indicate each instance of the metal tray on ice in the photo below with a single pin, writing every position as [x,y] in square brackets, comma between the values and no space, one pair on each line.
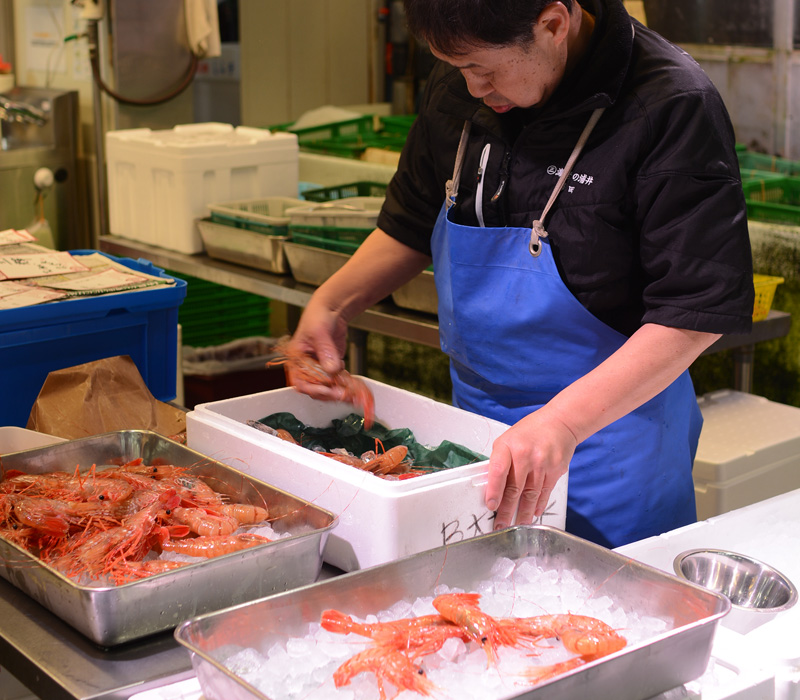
[676,656]
[310,265]
[419,294]
[243,247]
[112,615]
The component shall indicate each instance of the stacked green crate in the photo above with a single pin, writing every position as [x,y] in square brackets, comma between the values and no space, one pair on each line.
[213,314]
[351,137]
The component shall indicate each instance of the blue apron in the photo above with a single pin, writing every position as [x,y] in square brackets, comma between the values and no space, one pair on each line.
[516,336]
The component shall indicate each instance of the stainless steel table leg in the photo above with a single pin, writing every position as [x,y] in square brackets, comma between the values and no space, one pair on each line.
[744,360]
[356,351]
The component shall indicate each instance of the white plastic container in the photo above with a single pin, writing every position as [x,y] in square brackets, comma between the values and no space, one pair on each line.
[16,439]
[379,520]
[749,450]
[160,182]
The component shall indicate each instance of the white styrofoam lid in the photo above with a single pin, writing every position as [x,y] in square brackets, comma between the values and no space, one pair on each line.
[737,424]
[189,138]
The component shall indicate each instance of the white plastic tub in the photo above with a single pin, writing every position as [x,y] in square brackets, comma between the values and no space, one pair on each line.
[379,520]
[16,439]
[160,182]
[749,451]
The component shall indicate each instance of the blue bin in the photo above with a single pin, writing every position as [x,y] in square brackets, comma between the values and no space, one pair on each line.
[36,340]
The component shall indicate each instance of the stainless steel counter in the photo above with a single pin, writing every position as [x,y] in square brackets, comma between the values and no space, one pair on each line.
[388,319]
[58,663]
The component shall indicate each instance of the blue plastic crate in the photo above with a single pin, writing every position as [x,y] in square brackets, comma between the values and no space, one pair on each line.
[37,340]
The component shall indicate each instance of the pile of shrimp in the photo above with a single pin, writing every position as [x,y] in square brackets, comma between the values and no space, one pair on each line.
[394,463]
[110,524]
[399,646]
[508,633]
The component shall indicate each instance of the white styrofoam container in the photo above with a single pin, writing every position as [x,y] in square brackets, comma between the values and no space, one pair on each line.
[379,520]
[15,439]
[749,450]
[160,182]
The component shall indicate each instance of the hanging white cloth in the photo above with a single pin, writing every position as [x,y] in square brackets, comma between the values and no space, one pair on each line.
[202,27]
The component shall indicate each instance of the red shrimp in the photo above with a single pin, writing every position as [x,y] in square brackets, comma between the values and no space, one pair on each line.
[204,523]
[462,609]
[417,636]
[388,665]
[244,513]
[213,546]
[580,634]
[302,366]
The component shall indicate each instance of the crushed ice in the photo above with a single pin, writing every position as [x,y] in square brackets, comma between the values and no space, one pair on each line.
[303,667]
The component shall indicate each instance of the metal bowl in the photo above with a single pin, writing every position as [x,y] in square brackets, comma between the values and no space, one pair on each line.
[757,591]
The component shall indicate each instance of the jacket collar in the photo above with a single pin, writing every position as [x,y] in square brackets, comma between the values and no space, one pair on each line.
[595,82]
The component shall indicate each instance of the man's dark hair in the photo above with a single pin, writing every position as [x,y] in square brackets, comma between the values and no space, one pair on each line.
[450,26]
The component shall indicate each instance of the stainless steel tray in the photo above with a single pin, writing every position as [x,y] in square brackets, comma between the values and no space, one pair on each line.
[311,265]
[243,247]
[419,294]
[639,671]
[112,615]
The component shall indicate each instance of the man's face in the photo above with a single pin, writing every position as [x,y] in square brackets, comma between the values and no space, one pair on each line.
[514,75]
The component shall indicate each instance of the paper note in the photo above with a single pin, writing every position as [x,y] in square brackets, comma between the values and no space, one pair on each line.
[106,280]
[11,235]
[29,297]
[15,267]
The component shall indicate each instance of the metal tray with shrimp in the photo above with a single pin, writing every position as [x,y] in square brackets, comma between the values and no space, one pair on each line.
[110,615]
[677,652]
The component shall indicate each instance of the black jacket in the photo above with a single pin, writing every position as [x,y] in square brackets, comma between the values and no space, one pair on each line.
[651,227]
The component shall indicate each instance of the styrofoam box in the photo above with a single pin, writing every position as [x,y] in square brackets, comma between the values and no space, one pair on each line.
[749,450]
[379,520]
[160,182]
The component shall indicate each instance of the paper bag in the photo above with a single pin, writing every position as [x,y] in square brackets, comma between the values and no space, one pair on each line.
[99,397]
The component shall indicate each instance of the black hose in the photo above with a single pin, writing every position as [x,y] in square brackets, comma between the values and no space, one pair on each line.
[94,60]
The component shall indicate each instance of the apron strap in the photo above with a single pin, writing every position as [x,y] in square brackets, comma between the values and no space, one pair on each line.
[451,187]
[537,229]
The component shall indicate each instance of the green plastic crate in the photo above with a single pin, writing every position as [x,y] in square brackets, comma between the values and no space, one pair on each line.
[752,160]
[346,128]
[213,314]
[267,215]
[399,124]
[351,137]
[319,239]
[775,200]
[754,174]
[351,189]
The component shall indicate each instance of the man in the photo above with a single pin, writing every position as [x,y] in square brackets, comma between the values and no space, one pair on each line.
[573,176]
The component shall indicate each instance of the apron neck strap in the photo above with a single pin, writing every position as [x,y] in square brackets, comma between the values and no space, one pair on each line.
[451,187]
[537,229]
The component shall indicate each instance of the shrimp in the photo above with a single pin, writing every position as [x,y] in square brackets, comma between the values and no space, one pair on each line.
[417,636]
[462,609]
[244,513]
[302,366]
[100,552]
[204,523]
[587,636]
[128,571]
[388,665]
[389,462]
[213,546]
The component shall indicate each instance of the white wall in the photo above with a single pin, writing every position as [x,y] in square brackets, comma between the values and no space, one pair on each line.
[300,54]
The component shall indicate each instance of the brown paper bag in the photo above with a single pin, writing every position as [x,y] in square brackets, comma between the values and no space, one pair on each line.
[99,397]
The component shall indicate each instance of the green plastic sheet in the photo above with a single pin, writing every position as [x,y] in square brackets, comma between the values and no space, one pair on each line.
[349,433]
